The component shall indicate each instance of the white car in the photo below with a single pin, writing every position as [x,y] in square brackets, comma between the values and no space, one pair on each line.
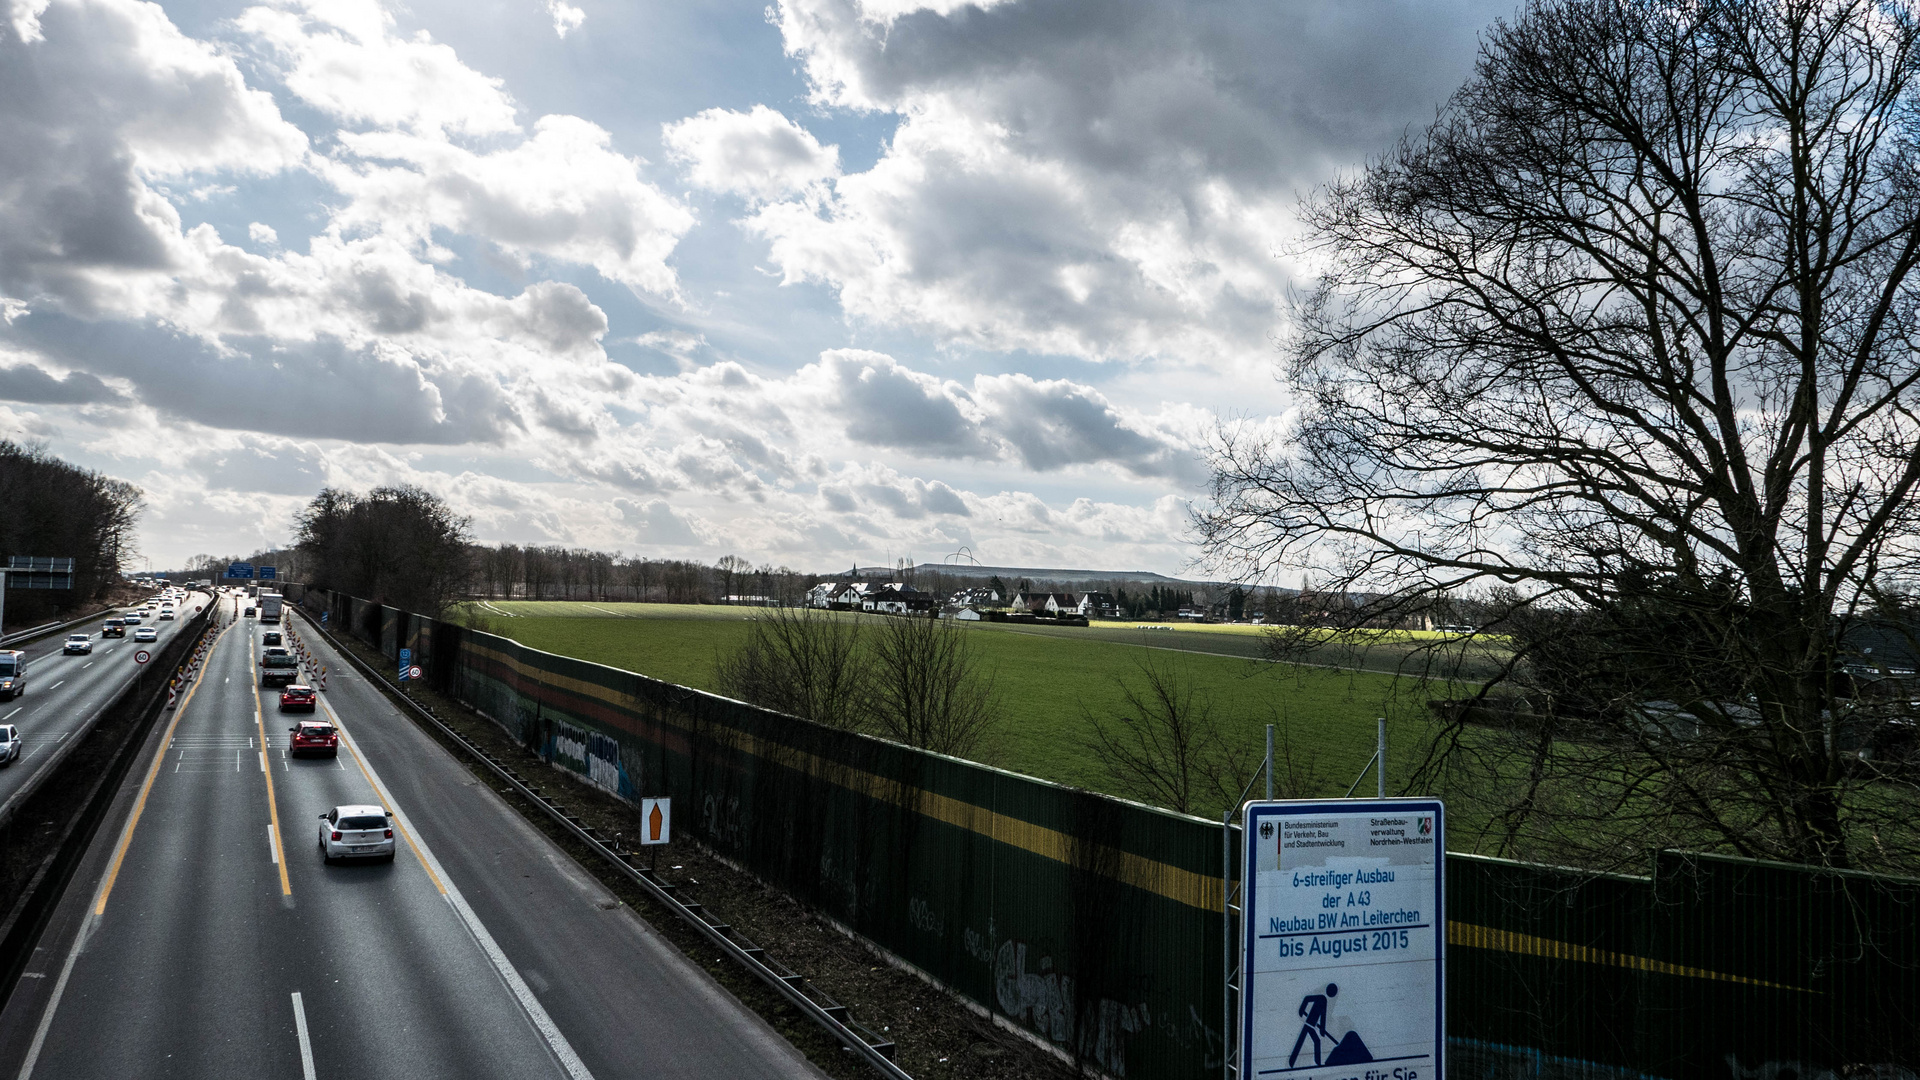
[146,633]
[166,614]
[133,617]
[9,744]
[356,831]
[78,644]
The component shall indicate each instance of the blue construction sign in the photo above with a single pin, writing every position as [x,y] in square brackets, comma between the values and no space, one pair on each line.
[406,661]
[239,570]
[1345,940]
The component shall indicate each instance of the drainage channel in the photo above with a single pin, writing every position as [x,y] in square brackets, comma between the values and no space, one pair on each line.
[817,1004]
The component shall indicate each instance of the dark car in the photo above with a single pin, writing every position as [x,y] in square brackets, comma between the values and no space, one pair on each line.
[298,698]
[113,628]
[271,637]
[313,737]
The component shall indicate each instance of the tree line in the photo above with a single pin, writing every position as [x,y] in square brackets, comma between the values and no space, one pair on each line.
[53,508]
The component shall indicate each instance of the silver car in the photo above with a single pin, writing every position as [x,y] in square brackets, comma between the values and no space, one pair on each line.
[9,744]
[80,644]
[356,832]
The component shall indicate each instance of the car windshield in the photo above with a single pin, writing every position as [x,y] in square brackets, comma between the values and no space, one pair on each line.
[315,732]
[6,665]
[363,823]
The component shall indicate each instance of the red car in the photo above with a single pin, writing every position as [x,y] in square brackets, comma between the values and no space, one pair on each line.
[297,697]
[314,737]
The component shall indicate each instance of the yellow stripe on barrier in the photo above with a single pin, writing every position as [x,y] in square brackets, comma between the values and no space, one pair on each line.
[1487,937]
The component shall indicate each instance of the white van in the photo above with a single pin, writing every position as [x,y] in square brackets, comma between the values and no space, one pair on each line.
[13,673]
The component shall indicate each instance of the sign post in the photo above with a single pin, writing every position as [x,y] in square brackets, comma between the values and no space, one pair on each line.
[406,663]
[239,571]
[656,821]
[1343,940]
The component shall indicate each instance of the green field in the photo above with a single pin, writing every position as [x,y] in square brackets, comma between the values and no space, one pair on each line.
[1047,679]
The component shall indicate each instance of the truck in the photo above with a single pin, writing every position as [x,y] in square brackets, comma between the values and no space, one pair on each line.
[278,668]
[270,607]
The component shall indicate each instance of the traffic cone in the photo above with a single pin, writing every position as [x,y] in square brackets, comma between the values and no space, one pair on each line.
[170,697]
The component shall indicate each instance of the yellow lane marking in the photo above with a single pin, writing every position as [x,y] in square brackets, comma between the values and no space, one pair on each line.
[364,771]
[273,807]
[140,804]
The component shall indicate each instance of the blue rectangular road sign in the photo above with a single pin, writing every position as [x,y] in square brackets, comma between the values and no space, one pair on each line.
[239,570]
[1343,969]
[269,573]
[406,661]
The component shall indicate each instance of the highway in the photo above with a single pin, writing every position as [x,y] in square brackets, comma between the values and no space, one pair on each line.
[64,692]
[204,937]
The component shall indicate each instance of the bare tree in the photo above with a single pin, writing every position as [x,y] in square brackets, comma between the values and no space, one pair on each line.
[799,661]
[1166,746]
[1629,332]
[927,687]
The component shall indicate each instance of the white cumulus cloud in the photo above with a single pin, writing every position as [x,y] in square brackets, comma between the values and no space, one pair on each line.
[760,154]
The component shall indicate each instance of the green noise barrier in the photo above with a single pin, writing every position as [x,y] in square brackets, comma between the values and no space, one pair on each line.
[1094,923]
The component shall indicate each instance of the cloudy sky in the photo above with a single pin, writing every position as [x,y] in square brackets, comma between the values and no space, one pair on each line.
[816,282]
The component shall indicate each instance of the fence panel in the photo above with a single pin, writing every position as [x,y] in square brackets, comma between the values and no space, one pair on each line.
[1095,924]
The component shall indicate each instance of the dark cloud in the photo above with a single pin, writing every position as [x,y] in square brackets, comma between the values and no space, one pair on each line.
[1045,425]
[30,384]
[885,404]
[321,389]
[1054,424]
[1252,90]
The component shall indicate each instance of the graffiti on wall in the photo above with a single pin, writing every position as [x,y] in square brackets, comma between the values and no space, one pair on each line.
[1795,1070]
[1042,1000]
[591,754]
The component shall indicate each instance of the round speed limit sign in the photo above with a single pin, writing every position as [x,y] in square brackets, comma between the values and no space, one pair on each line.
[142,656]
[414,673]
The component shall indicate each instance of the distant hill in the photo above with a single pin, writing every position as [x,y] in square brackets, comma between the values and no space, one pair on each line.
[1014,573]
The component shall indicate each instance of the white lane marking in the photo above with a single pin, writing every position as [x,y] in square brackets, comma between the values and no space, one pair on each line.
[306,1044]
[556,1041]
[58,685]
[273,850]
[86,665]
[250,745]
[238,757]
[14,713]
[59,989]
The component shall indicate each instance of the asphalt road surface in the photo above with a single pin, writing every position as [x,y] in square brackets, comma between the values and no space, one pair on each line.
[205,937]
[64,692]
